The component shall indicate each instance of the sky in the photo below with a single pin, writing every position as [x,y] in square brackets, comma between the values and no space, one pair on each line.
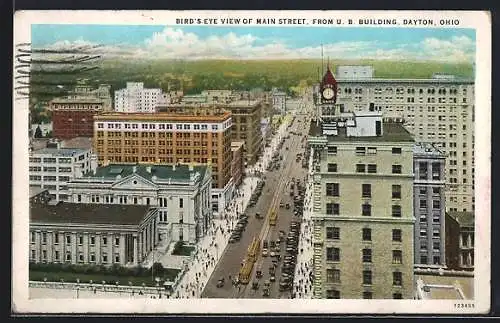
[262,42]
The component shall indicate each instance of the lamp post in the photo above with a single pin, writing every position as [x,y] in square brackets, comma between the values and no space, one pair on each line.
[45,281]
[157,279]
[77,288]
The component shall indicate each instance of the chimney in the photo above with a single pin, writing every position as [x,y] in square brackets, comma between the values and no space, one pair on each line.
[78,171]
[148,169]
[173,167]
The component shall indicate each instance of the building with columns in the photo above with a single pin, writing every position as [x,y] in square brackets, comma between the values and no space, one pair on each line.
[180,193]
[91,234]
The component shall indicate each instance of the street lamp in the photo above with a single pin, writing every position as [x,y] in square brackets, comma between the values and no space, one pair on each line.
[77,287]
[157,279]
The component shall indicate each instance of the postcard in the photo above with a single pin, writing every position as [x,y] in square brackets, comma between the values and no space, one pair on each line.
[251,162]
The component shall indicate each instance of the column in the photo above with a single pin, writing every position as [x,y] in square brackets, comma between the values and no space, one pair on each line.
[136,260]
[50,246]
[121,250]
[86,257]
[38,246]
[111,242]
[74,246]
[98,257]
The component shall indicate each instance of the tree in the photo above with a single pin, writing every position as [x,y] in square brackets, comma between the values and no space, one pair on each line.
[38,132]
[49,134]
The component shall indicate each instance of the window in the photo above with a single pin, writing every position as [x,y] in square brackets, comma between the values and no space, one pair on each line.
[372,168]
[397,278]
[367,295]
[396,191]
[372,150]
[360,168]
[396,235]
[436,233]
[366,209]
[396,150]
[92,257]
[366,190]
[32,237]
[396,169]
[436,171]
[117,258]
[360,151]
[396,211]
[332,189]
[104,257]
[68,256]
[56,238]
[367,234]
[332,208]
[56,255]
[436,260]
[367,277]
[397,257]
[397,296]
[92,240]
[80,257]
[333,233]
[68,239]
[436,190]
[117,241]
[423,204]
[367,255]
[332,168]
[332,294]
[44,237]
[422,170]
[332,254]
[104,241]
[423,259]
[332,150]
[333,276]
[181,202]
[436,204]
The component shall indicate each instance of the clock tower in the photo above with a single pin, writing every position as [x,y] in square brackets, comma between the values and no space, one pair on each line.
[328,88]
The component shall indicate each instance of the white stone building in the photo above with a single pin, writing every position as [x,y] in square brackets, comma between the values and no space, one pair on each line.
[279,101]
[181,193]
[136,98]
[53,168]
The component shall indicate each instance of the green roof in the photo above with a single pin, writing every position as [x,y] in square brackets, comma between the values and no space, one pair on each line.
[181,172]
[463,218]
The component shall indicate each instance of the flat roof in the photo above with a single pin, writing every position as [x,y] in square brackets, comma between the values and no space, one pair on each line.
[60,152]
[341,80]
[82,99]
[35,190]
[88,213]
[392,132]
[243,103]
[463,218]
[465,283]
[78,142]
[187,115]
[181,172]
[427,148]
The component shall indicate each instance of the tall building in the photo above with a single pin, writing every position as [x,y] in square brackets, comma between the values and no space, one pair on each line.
[180,193]
[73,116]
[439,110]
[279,100]
[135,98]
[201,136]
[362,203]
[102,92]
[429,204]
[53,168]
[237,165]
[246,122]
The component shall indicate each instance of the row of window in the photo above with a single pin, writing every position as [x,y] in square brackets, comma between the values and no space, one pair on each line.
[333,277]
[366,209]
[53,160]
[123,199]
[362,151]
[333,254]
[335,294]
[81,259]
[49,178]
[333,233]
[333,189]
[68,239]
[161,126]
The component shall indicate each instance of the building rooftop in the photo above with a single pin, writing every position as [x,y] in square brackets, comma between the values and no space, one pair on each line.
[436,80]
[243,103]
[78,99]
[35,190]
[427,149]
[392,132]
[78,142]
[181,172]
[88,213]
[463,218]
[446,286]
[208,115]
[59,152]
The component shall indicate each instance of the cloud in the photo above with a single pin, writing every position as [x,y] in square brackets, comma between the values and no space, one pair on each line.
[174,43]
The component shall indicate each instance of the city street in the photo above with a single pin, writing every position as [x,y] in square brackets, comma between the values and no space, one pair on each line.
[276,190]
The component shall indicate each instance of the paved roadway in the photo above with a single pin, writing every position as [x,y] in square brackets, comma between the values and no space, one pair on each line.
[274,191]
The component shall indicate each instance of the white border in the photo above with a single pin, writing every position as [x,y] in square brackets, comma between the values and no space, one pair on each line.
[480,21]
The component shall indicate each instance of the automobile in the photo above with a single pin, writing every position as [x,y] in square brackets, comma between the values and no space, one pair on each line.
[282,205]
[287,206]
[258,216]
[272,254]
[255,285]
[264,252]
[220,282]
[272,278]
[284,286]
[265,292]
[258,273]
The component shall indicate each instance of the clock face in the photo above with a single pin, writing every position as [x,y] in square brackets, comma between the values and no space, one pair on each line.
[328,93]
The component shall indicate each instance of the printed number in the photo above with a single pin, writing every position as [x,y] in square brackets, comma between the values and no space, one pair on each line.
[464,305]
